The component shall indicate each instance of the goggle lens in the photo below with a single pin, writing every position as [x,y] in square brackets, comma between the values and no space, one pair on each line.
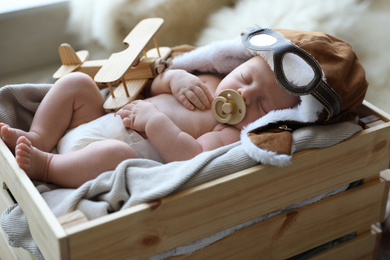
[288,60]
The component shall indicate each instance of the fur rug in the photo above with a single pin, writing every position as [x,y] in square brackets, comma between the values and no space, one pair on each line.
[100,23]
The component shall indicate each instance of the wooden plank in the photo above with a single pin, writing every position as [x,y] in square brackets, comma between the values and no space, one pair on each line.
[368,109]
[5,201]
[362,247]
[47,232]
[299,230]
[6,251]
[72,219]
[385,176]
[217,205]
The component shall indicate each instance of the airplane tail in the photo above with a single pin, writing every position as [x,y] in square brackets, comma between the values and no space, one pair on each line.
[68,55]
[70,59]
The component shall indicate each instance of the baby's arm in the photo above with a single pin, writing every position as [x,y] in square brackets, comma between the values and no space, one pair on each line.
[186,87]
[170,142]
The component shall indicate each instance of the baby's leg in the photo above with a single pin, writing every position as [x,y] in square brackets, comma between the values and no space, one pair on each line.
[73,100]
[72,169]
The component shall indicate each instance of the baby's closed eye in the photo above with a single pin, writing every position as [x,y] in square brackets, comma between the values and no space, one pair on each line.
[245,78]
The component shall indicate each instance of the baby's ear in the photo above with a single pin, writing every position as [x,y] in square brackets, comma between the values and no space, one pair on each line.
[273,140]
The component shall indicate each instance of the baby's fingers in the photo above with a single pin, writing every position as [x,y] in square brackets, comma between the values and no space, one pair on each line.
[123,113]
[185,102]
[127,122]
[201,97]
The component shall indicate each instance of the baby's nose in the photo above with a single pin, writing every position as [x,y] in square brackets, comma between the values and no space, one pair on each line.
[246,93]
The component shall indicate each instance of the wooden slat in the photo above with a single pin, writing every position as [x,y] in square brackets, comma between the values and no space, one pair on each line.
[71,219]
[217,205]
[7,252]
[368,109]
[385,176]
[5,201]
[299,230]
[360,248]
[47,232]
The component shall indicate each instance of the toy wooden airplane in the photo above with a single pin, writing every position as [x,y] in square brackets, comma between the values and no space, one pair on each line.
[123,69]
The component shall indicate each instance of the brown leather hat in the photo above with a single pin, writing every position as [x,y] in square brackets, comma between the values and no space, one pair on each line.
[321,65]
[343,71]
[323,70]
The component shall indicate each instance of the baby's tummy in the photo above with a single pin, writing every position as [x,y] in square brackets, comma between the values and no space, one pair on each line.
[193,122]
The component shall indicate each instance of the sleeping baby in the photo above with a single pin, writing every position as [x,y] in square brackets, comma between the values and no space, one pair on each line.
[177,122]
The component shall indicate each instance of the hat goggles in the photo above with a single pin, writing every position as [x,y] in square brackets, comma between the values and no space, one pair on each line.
[289,61]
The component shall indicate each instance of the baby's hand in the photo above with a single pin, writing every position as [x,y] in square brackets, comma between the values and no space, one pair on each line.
[136,114]
[191,92]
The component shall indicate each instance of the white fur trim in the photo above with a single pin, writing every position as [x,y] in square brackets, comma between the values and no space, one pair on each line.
[306,112]
[217,57]
[262,155]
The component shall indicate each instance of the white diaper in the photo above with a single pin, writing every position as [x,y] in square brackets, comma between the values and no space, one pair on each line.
[103,128]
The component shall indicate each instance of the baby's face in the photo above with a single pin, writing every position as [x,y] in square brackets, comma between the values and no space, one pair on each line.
[256,83]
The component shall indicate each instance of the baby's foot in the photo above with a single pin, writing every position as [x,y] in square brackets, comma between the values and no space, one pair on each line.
[10,135]
[32,160]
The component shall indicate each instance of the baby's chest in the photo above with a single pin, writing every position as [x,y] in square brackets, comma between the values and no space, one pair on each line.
[195,123]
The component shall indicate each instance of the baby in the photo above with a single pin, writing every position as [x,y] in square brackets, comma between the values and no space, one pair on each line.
[176,121]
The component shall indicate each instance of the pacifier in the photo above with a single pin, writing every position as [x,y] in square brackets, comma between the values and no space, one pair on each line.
[229,107]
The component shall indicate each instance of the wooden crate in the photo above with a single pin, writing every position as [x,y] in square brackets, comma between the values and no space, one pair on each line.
[150,228]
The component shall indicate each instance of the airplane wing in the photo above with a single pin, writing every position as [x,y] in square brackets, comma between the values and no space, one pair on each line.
[134,88]
[118,63]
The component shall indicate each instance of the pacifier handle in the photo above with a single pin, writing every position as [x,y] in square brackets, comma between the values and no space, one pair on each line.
[229,107]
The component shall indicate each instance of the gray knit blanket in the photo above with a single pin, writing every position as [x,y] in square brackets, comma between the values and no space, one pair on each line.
[134,181]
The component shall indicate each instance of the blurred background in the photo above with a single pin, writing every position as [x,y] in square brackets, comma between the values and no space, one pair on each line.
[32,30]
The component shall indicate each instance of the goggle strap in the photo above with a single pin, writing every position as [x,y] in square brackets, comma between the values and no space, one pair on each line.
[328,99]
